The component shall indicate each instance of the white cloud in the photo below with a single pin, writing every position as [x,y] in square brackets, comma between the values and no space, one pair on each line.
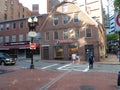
[42,5]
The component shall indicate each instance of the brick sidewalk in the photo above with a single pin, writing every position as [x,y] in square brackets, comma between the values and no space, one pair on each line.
[26,79]
[111,59]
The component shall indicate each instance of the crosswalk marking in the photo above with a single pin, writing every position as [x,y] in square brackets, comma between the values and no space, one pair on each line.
[73,67]
[64,66]
[49,66]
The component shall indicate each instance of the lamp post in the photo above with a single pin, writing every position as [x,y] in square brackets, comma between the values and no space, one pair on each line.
[32,23]
[119,46]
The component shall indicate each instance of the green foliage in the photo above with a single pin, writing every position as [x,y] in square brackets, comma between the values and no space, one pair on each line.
[117,5]
[112,37]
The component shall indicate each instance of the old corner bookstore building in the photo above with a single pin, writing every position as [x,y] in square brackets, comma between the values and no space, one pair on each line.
[67,29]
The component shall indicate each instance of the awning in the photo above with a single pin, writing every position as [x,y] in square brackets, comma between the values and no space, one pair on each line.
[16,46]
[7,47]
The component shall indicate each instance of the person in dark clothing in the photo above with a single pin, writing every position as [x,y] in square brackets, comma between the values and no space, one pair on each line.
[91,61]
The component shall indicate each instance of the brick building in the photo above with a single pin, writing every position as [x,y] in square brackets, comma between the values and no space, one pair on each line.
[14,37]
[12,9]
[67,30]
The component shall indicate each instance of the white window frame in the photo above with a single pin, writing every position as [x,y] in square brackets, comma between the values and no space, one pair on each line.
[65,32]
[1,39]
[54,35]
[13,38]
[90,33]
[64,8]
[47,34]
[54,20]
[7,39]
[65,18]
[7,26]
[1,27]
[75,18]
[21,37]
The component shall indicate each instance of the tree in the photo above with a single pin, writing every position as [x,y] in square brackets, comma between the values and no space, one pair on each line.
[112,37]
[117,5]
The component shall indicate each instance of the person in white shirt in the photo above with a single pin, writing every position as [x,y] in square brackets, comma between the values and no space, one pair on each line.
[73,57]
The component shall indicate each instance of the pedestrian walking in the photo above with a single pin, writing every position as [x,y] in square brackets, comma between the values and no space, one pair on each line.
[78,58]
[73,57]
[118,55]
[91,61]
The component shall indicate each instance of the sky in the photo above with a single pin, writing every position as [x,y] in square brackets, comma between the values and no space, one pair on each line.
[42,4]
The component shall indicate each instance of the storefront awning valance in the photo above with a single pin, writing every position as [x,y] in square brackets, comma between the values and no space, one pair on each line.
[7,47]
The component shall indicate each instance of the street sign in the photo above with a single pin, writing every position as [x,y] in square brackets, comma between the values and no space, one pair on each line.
[32,45]
[32,34]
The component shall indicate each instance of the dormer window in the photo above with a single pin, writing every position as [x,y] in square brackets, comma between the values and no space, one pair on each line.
[55,22]
[64,8]
[76,20]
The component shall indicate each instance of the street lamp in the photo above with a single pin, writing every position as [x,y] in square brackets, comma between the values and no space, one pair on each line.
[32,23]
[119,46]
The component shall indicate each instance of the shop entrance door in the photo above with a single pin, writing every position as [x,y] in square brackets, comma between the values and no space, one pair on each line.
[89,49]
[45,52]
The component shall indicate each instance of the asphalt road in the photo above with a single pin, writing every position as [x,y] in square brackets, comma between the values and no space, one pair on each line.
[68,66]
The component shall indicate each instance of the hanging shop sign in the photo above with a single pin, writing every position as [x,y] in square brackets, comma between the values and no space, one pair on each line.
[118,19]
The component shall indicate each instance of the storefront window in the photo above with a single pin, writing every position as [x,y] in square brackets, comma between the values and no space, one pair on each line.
[58,52]
[72,49]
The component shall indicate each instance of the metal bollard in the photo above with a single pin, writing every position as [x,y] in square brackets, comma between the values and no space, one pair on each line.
[118,82]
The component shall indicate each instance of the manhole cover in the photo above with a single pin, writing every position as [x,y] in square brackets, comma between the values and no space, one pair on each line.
[86,87]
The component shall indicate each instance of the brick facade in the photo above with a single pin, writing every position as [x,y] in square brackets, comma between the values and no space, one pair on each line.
[82,45]
[12,9]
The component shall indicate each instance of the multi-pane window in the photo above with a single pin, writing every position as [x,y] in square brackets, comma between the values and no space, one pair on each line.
[5,16]
[55,20]
[7,39]
[13,38]
[21,37]
[55,35]
[47,36]
[76,18]
[1,39]
[77,33]
[21,24]
[74,34]
[88,32]
[65,19]
[1,27]
[65,34]
[71,33]
[6,7]
[14,25]
[64,8]
[27,37]
[7,26]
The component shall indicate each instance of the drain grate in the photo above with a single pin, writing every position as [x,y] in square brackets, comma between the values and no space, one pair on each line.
[87,87]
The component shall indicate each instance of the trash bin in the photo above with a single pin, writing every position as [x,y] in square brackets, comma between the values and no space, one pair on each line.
[118,82]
